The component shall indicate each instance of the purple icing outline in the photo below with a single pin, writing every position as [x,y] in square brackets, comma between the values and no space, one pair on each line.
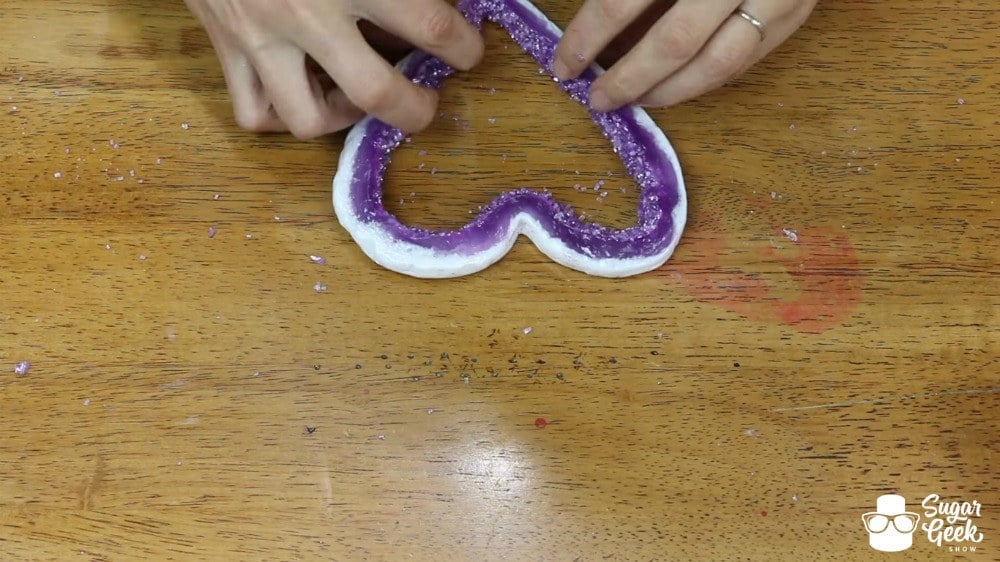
[661,188]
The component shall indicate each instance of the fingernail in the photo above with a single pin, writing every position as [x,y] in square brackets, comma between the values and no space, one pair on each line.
[560,69]
[599,101]
[474,56]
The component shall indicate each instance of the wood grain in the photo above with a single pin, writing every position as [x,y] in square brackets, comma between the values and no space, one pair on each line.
[194,398]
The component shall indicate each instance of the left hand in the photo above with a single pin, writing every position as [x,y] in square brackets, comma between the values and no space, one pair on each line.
[695,46]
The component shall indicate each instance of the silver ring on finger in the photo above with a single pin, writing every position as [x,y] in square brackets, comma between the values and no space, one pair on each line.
[752,20]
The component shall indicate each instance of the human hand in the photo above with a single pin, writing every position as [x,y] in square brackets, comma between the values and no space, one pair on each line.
[693,47]
[304,66]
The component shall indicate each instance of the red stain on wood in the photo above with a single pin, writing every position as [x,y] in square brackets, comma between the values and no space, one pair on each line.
[812,285]
[540,423]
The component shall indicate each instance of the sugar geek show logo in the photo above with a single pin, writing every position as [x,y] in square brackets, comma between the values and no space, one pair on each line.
[890,527]
[946,524]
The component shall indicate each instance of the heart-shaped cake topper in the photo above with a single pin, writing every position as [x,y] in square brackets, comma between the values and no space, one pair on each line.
[554,228]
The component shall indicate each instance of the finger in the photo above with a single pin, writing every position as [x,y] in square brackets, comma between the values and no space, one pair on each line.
[392,48]
[727,55]
[432,25]
[335,99]
[368,81]
[734,48]
[594,27]
[297,95]
[251,107]
[627,39]
[676,39]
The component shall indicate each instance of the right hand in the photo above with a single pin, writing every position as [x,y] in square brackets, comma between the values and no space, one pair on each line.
[279,57]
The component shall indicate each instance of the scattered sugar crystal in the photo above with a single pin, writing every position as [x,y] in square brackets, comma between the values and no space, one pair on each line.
[216,197]
[790,234]
[212,232]
[86,402]
[791,127]
[320,287]
[185,126]
[527,330]
[492,120]
[21,368]
[493,91]
[434,170]
[57,175]
[318,260]
[961,101]
[248,236]
[381,437]
[142,257]
[131,173]
[159,161]
[107,246]
[422,153]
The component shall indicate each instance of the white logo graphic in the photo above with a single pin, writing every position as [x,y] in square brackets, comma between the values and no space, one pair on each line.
[890,527]
[951,522]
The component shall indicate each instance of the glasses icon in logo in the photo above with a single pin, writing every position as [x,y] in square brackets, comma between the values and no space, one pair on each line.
[878,522]
[890,527]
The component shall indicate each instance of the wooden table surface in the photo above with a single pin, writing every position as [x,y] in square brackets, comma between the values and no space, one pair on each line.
[195,398]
